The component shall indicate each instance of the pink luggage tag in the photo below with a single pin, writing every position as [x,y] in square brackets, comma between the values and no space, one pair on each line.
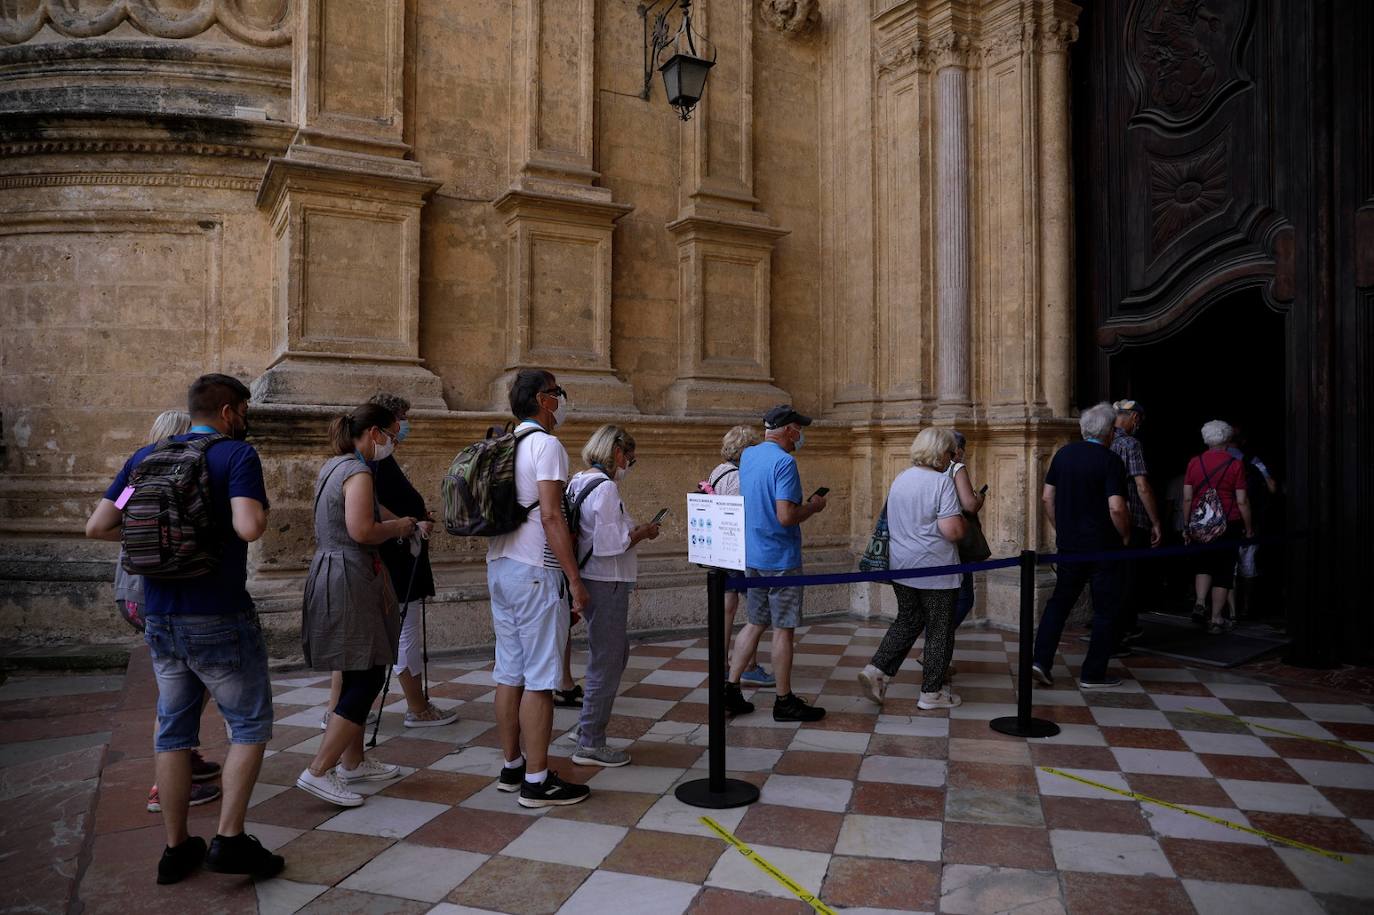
[124,497]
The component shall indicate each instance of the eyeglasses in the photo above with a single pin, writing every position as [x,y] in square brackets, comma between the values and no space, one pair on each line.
[629,460]
[556,391]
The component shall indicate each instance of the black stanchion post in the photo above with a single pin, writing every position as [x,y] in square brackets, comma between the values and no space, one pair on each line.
[716,791]
[1023,724]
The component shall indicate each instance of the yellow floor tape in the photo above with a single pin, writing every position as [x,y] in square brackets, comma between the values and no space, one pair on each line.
[762,864]
[1264,727]
[1197,813]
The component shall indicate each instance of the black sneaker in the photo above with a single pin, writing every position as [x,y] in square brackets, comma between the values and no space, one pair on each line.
[552,792]
[794,708]
[1104,683]
[242,854]
[1124,651]
[511,779]
[735,703]
[1134,635]
[176,864]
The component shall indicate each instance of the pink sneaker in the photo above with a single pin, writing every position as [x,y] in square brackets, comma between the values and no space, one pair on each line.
[200,794]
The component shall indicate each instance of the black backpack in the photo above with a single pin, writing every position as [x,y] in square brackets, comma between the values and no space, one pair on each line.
[572,511]
[169,529]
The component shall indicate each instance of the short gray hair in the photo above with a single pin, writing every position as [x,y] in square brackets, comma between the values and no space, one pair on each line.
[931,448]
[1217,432]
[1097,421]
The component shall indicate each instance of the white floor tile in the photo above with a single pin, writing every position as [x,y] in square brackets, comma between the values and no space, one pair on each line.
[1108,853]
[280,896]
[1225,744]
[1252,900]
[491,798]
[1058,697]
[912,725]
[1130,718]
[735,872]
[272,837]
[1320,874]
[829,741]
[1162,674]
[1250,691]
[388,817]
[904,771]
[807,792]
[1355,714]
[1274,797]
[1160,762]
[635,707]
[1059,786]
[566,842]
[472,761]
[976,890]
[628,894]
[1079,735]
[751,759]
[1330,774]
[1166,821]
[264,792]
[890,837]
[1261,727]
[982,711]
[671,815]
[688,678]
[303,695]
[414,872]
[644,779]
[1170,703]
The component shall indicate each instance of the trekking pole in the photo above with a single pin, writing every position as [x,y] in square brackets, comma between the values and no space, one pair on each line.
[386,684]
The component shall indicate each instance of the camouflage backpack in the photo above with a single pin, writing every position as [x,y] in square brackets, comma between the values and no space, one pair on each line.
[169,530]
[478,491]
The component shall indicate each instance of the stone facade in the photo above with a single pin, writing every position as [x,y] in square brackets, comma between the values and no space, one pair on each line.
[867,215]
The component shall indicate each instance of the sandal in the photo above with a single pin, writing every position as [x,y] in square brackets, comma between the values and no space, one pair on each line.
[1214,629]
[568,698]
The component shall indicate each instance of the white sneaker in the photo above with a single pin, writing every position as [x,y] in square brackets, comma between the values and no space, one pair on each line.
[369,770]
[327,787]
[942,698]
[874,683]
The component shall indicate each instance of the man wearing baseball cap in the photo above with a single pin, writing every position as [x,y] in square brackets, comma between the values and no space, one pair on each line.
[1145,526]
[774,509]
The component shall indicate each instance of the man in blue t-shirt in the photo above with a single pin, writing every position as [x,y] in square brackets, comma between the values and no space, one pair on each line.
[1085,499]
[773,512]
[204,637]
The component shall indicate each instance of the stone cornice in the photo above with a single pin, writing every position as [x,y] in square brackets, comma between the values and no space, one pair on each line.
[130,179]
[736,226]
[517,203]
[283,173]
[32,134]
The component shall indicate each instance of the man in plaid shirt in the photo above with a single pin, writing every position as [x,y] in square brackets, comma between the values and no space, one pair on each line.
[1145,526]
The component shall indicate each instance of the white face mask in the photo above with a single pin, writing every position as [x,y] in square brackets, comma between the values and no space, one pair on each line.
[560,412]
[621,473]
[381,452]
[801,440]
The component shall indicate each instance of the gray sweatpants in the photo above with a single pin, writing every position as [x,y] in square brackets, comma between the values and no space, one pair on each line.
[608,649]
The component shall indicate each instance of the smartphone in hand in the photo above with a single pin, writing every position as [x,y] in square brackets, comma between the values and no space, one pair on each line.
[823,491]
[984,490]
[658,518]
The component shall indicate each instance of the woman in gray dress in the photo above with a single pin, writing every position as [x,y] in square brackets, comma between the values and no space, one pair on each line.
[350,619]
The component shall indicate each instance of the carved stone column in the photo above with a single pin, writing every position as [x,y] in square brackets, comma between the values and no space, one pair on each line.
[724,243]
[952,239]
[345,212]
[1056,214]
[559,223]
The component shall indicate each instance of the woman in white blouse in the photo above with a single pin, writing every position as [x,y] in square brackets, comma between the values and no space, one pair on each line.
[606,541]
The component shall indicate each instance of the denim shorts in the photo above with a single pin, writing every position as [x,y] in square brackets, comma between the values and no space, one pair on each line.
[530,617]
[780,608]
[222,654]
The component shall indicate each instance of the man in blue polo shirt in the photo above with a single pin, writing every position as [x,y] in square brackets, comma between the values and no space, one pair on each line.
[204,637]
[774,509]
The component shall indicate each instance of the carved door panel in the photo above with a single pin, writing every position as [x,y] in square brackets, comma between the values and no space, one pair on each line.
[1183,104]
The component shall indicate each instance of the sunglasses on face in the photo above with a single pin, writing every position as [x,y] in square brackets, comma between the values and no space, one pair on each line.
[555,391]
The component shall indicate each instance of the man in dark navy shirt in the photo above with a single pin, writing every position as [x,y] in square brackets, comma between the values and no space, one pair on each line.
[204,637]
[1085,499]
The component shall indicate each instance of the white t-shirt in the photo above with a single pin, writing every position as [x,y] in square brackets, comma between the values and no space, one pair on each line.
[604,528]
[917,500]
[725,479]
[540,456]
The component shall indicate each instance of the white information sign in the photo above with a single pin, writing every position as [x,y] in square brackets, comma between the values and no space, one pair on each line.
[715,531]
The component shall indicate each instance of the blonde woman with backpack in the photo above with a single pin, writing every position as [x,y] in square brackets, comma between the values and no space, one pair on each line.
[606,537]
[1215,484]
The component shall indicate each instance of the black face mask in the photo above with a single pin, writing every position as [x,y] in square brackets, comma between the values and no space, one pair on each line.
[239,430]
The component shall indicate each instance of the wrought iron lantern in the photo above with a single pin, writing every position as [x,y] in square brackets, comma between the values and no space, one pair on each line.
[681,57]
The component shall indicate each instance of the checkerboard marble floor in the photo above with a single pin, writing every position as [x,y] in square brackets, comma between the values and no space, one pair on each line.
[872,809]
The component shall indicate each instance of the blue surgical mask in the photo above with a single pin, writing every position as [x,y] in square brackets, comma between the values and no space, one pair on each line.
[403,431]
[801,440]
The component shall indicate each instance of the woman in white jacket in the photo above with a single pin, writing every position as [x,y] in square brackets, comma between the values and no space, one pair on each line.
[606,541]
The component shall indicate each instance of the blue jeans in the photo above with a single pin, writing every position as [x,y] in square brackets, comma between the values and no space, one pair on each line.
[1105,580]
[223,654]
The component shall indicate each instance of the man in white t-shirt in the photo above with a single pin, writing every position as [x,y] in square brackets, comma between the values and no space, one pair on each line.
[529,573]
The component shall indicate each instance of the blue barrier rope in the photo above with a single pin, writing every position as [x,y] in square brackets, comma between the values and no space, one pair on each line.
[743,583]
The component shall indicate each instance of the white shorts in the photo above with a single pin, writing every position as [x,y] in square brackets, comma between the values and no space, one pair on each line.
[530,619]
[410,653]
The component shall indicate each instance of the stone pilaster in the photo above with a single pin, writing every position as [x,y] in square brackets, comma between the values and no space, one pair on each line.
[1057,30]
[724,243]
[345,215]
[559,223]
[952,241]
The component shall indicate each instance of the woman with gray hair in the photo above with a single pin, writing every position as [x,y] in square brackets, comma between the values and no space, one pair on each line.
[606,540]
[924,522]
[724,481]
[1216,470]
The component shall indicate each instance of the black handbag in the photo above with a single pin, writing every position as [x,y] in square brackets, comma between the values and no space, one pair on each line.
[973,546]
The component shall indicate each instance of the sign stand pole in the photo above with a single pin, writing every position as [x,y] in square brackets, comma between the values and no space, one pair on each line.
[716,791]
[1024,724]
